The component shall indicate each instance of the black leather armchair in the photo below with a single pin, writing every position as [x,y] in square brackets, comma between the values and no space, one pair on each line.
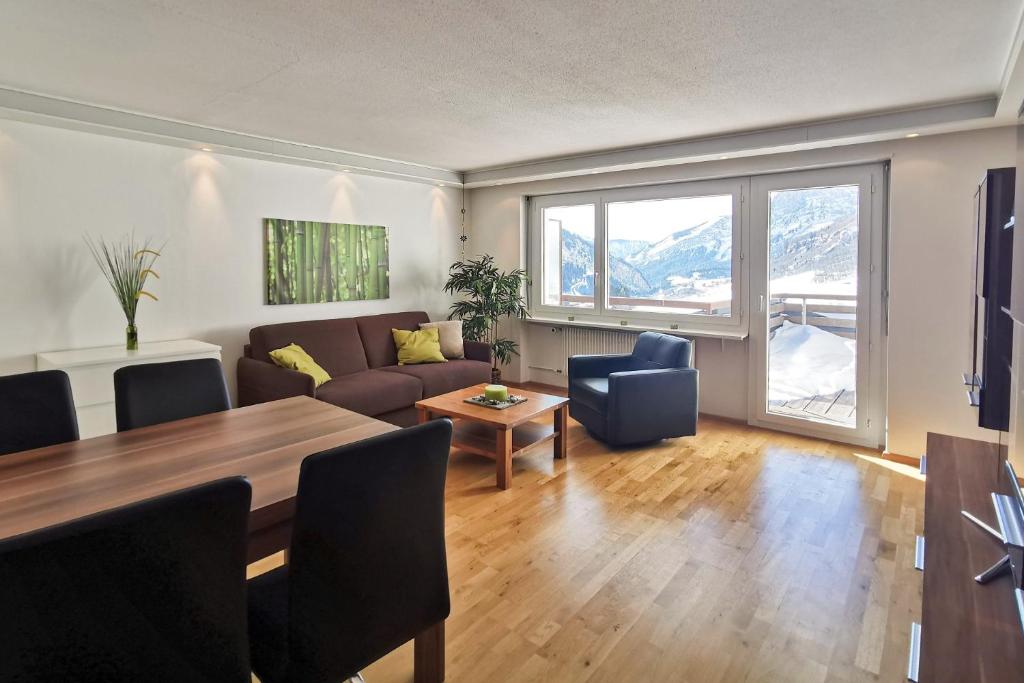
[644,396]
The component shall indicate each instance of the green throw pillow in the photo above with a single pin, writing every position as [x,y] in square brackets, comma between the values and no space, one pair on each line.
[294,357]
[422,346]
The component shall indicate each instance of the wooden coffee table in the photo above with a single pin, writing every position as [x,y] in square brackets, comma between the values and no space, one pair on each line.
[500,434]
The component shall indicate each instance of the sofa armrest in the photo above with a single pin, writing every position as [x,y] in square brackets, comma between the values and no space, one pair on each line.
[259,382]
[645,405]
[597,366]
[477,350]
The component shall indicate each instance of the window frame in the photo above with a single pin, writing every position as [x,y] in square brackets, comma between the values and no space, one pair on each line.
[733,325]
[536,243]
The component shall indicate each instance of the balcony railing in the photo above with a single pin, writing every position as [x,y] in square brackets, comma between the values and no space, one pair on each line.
[835,313]
[700,307]
[830,312]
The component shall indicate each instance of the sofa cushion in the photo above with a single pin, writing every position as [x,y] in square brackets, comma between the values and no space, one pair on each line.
[440,378]
[591,392]
[375,332]
[421,346]
[371,392]
[334,344]
[450,336]
[294,357]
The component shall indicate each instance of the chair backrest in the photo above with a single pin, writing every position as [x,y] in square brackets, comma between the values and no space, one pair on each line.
[654,351]
[154,591]
[367,569]
[36,410]
[152,393]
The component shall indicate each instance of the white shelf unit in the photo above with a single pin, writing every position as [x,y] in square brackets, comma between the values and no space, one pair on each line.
[92,375]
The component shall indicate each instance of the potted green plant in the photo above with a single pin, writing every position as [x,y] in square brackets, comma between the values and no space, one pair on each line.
[127,265]
[488,295]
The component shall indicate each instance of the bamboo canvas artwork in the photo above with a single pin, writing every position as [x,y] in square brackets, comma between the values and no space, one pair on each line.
[310,262]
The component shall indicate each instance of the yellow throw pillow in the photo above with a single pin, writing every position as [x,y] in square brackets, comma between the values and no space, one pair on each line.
[294,357]
[450,333]
[422,346]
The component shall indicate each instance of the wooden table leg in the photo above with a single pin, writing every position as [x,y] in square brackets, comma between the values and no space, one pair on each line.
[424,415]
[503,457]
[561,426]
[428,655]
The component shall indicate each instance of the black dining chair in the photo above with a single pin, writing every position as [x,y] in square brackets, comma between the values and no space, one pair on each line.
[153,591]
[153,393]
[36,410]
[367,569]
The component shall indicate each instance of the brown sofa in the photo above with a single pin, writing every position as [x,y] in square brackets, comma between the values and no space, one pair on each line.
[359,355]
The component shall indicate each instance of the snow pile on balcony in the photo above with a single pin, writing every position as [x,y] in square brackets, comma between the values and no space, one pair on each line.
[805,361]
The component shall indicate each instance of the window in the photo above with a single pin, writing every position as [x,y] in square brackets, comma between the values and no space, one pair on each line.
[671,255]
[656,257]
[568,244]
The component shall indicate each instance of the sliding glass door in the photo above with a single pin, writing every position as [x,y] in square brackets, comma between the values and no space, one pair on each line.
[817,291]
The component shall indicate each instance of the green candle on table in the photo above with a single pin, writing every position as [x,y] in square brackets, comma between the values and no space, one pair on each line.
[496,392]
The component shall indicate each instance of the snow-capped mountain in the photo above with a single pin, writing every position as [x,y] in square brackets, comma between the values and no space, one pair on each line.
[813,231]
[578,268]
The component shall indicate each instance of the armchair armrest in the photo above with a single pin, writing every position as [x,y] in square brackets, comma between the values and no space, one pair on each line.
[476,350]
[597,366]
[259,382]
[645,405]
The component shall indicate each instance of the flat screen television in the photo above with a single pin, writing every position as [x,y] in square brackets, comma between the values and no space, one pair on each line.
[989,377]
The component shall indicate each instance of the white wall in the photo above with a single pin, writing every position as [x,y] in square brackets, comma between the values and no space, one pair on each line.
[932,186]
[57,185]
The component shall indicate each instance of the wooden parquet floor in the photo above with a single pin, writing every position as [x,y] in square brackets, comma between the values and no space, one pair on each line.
[736,555]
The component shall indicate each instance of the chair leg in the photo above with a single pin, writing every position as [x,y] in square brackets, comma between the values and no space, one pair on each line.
[428,657]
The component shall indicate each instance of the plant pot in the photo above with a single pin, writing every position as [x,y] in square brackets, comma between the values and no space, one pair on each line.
[495,375]
[131,335]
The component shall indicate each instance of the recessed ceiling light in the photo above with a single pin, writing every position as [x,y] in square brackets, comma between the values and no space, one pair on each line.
[595,171]
[913,135]
[723,157]
[347,170]
[440,184]
[206,149]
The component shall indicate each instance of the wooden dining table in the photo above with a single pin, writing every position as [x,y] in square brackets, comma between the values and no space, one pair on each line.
[266,443]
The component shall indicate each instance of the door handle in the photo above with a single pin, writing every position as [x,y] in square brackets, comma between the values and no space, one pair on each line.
[760,303]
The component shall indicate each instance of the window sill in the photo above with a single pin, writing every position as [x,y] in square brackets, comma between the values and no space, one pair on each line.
[737,335]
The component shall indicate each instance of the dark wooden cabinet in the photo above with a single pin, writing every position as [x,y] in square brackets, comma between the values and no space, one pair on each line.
[969,632]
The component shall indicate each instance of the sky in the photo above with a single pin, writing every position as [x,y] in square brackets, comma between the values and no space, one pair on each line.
[649,220]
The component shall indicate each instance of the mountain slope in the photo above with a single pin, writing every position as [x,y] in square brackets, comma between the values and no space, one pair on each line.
[812,231]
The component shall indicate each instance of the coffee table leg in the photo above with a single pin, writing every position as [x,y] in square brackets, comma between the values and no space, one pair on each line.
[424,415]
[503,457]
[561,426]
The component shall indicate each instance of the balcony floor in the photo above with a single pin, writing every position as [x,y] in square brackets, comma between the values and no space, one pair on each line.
[837,408]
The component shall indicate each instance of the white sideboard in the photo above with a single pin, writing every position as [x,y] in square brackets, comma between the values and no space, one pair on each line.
[92,375]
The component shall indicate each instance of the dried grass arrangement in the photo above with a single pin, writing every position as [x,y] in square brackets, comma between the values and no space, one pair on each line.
[127,264]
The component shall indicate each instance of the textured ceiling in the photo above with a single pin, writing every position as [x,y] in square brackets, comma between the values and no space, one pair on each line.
[471,84]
